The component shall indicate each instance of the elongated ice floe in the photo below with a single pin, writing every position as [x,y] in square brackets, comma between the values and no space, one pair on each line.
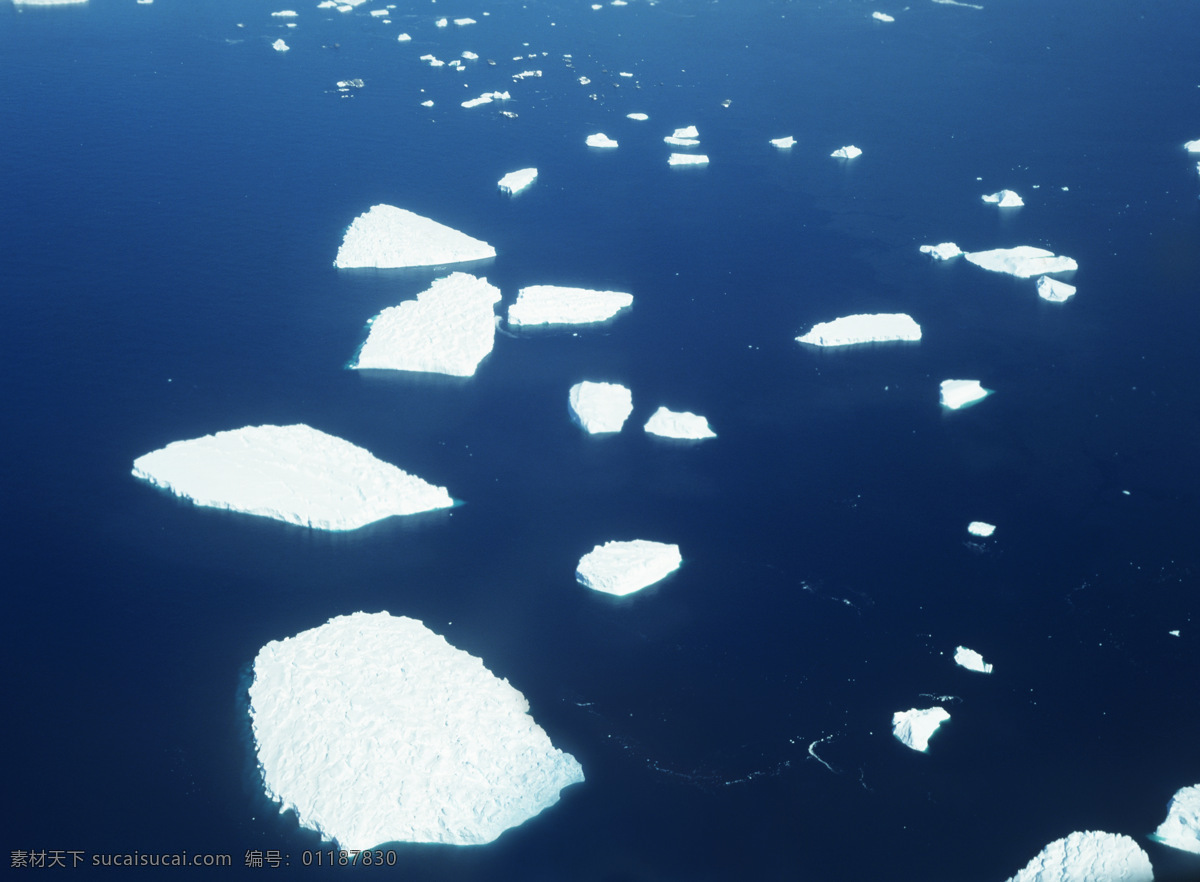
[981,529]
[640,117]
[448,329]
[783,143]
[960,393]
[1054,290]
[559,305]
[388,237]
[1086,856]
[296,474]
[515,182]
[866,328]
[1022,261]
[624,567]
[882,16]
[915,727]
[847,152]
[1181,829]
[944,251]
[374,729]
[679,424]
[600,407]
[600,140]
[1005,199]
[971,660]
[486,98]
[687,159]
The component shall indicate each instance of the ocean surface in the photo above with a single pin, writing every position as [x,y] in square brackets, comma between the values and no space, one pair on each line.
[172,195]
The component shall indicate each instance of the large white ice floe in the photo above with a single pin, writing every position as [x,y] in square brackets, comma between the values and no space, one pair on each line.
[847,152]
[448,329]
[687,159]
[944,251]
[374,729]
[1089,856]
[600,407]
[1005,199]
[783,143]
[1181,829]
[688,136]
[624,567]
[960,393]
[388,237]
[1022,261]
[294,473]
[971,660]
[1192,146]
[915,727]
[600,140]
[981,529]
[516,181]
[1054,290]
[866,328]
[559,305]
[882,16]
[679,424]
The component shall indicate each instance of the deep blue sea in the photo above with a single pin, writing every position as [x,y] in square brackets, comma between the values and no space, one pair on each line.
[172,195]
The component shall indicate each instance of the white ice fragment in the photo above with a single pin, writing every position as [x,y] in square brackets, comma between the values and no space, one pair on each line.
[681,142]
[486,98]
[294,473]
[463,22]
[847,152]
[687,159]
[389,237]
[470,56]
[374,729]
[442,23]
[1181,829]
[516,181]
[866,328]
[971,660]
[1054,290]
[428,102]
[378,13]
[558,305]
[1088,856]
[915,727]
[981,528]
[783,143]
[1005,199]
[448,329]
[280,46]
[284,13]
[960,393]
[640,117]
[621,568]
[679,424]
[881,16]
[686,132]
[403,38]
[600,407]
[600,140]
[1022,261]
[1192,146]
[944,251]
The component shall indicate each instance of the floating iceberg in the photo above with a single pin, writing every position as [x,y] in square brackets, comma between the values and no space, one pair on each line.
[783,143]
[1022,261]
[868,328]
[1054,290]
[291,473]
[600,407]
[979,528]
[463,22]
[284,13]
[687,159]
[557,305]
[640,117]
[685,137]
[600,140]
[1192,146]
[847,152]
[624,567]
[515,182]
[881,16]
[280,46]
[971,660]
[679,424]
[915,727]
[448,329]
[1082,857]
[486,98]
[960,393]
[1005,199]
[374,729]
[388,237]
[944,251]
[1181,829]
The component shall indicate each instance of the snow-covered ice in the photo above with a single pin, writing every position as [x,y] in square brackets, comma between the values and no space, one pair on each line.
[1022,261]
[915,727]
[1181,829]
[280,46]
[971,660]
[559,305]
[516,181]
[294,473]
[600,140]
[960,393]
[687,136]
[374,729]
[944,251]
[1090,856]
[687,159]
[448,329]
[847,152]
[783,143]
[640,117]
[1054,290]
[624,567]
[881,16]
[980,528]
[1192,146]
[1005,199]
[388,237]
[486,98]
[866,328]
[600,407]
[679,424]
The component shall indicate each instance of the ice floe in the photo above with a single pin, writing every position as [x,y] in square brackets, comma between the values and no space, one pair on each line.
[960,393]
[296,474]
[515,182]
[1054,290]
[915,727]
[560,305]
[284,13]
[387,237]
[687,159]
[866,328]
[640,117]
[679,424]
[971,660]
[1087,856]
[600,140]
[600,407]
[881,16]
[847,152]
[1022,261]
[981,528]
[624,567]
[448,329]
[1005,199]
[783,143]
[944,251]
[688,136]
[1181,829]
[1192,146]
[280,46]
[372,728]
[486,98]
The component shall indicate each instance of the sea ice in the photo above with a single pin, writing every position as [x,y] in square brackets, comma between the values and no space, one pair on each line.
[687,159]
[881,16]
[915,727]
[960,393]
[1005,199]
[679,424]
[486,98]
[1022,261]
[1181,829]
[284,13]
[869,328]
[624,567]
[1192,146]
[280,46]
[640,117]
[783,143]
[448,329]
[600,140]
[515,182]
[374,729]
[558,305]
[600,407]
[980,528]
[1054,290]
[291,473]
[971,660]
[944,251]
[688,136]
[847,152]
[389,237]
[1088,856]
[46,2]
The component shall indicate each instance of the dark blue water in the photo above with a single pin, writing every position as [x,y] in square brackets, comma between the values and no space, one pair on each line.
[173,194]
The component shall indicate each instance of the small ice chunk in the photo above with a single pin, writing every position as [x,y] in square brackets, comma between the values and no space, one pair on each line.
[1192,146]
[915,727]
[688,132]
[1181,829]
[1022,261]
[681,142]
[1054,290]
[463,22]
[971,660]
[428,102]
[687,159]
[600,407]
[881,16]
[783,143]
[847,152]
[679,424]
[378,13]
[390,237]
[867,328]
[640,117]
[516,181]
[403,38]
[944,251]
[1005,199]
[280,46]
[981,528]
[486,98]
[442,23]
[960,393]
[1087,856]
[621,568]
[600,140]
[559,305]
[284,13]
